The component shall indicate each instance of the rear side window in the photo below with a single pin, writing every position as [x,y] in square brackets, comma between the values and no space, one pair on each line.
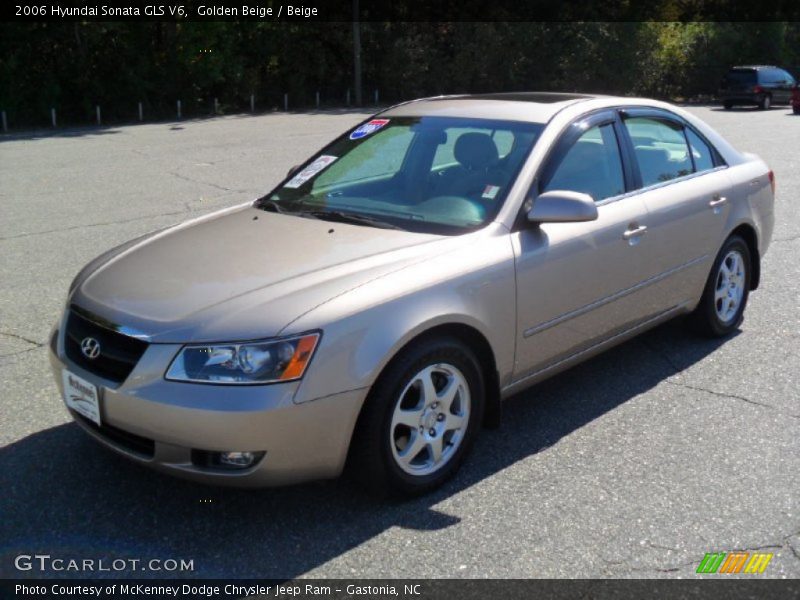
[701,152]
[660,149]
[591,166]
[770,75]
[786,76]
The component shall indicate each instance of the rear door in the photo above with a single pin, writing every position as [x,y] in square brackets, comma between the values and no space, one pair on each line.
[685,188]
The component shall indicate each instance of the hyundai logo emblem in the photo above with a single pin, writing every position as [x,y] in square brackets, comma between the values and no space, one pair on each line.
[90,348]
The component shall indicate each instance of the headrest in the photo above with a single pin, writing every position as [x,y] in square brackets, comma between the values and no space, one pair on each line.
[475,150]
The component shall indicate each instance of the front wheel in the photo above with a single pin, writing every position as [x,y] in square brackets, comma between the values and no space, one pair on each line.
[721,307]
[420,419]
[796,110]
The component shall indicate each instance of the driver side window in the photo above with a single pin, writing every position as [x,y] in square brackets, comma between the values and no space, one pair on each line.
[592,166]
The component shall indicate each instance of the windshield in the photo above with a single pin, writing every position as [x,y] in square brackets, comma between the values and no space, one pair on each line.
[428,174]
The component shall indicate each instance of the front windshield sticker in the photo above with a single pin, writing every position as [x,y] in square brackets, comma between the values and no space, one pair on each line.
[490,191]
[368,128]
[311,170]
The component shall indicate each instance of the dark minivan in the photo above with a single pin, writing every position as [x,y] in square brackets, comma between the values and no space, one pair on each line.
[762,86]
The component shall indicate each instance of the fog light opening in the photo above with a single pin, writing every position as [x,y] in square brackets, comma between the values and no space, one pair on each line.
[238,460]
[229,461]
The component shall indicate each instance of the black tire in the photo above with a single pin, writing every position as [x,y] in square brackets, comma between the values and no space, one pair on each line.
[371,460]
[765,103]
[727,105]
[705,318]
[796,110]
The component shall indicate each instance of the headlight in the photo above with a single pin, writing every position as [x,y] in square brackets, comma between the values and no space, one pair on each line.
[252,362]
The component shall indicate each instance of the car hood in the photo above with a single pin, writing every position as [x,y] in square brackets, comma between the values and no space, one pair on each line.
[242,274]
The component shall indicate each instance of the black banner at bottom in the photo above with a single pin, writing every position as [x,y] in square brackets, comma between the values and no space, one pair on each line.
[400,589]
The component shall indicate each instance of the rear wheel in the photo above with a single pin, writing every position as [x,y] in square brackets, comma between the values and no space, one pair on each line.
[796,110]
[727,105]
[722,305]
[766,102]
[420,419]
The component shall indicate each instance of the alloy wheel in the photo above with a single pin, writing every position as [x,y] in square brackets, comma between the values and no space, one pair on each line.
[430,419]
[729,289]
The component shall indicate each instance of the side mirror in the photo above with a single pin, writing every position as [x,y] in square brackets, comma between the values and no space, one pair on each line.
[561,206]
[292,171]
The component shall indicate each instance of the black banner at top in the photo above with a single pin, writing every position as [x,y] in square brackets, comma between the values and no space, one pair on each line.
[299,11]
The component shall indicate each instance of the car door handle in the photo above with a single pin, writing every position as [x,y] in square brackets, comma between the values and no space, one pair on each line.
[634,233]
[717,201]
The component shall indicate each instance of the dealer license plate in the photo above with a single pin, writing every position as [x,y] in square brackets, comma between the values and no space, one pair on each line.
[81,396]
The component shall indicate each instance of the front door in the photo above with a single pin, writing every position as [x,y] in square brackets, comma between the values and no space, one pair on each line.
[579,283]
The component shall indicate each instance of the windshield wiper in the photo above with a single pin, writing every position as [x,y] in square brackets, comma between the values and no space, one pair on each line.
[327,215]
[271,206]
[345,217]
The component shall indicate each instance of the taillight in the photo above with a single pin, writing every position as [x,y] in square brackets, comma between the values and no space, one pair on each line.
[758,89]
[771,176]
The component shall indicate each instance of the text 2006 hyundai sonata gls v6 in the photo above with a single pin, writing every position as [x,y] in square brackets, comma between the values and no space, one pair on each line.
[375,307]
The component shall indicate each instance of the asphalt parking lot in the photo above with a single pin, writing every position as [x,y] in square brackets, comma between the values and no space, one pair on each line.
[634,464]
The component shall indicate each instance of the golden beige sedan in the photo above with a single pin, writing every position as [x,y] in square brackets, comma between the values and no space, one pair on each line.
[375,308]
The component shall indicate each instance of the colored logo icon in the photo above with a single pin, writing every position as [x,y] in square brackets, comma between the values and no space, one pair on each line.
[734,562]
[368,128]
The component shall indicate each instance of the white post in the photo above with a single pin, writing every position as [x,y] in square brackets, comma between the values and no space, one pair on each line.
[141,112]
[5,123]
[318,99]
[99,121]
[53,116]
[286,102]
[216,106]
[252,103]
[179,109]
[348,96]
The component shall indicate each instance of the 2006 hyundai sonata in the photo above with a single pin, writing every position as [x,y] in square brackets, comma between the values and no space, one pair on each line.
[376,307]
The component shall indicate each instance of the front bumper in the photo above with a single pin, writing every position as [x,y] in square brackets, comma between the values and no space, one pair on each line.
[166,425]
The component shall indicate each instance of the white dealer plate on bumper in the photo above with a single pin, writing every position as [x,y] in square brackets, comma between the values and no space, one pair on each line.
[81,396]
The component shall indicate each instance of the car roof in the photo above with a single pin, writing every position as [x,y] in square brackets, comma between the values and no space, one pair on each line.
[536,107]
[547,108]
[754,67]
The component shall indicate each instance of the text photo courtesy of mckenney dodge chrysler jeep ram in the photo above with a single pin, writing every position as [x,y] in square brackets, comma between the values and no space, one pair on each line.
[373,310]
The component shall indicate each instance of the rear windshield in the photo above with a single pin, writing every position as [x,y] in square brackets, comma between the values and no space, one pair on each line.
[440,175]
[741,76]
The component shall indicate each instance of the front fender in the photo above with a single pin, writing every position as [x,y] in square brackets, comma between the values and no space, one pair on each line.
[365,328]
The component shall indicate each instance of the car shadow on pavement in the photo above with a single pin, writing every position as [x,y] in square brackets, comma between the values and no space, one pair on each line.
[65,496]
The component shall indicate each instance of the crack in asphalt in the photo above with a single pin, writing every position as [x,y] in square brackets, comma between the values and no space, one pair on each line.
[90,225]
[213,185]
[666,357]
[23,339]
[794,550]
[3,357]
[733,396]
[678,374]
[660,547]
[792,238]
